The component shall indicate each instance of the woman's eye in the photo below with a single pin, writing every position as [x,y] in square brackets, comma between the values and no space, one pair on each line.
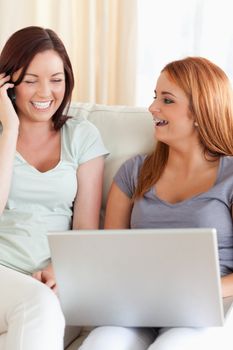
[56,80]
[29,82]
[168,101]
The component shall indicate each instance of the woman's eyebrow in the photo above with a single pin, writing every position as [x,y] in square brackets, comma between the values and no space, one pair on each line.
[58,73]
[31,74]
[165,93]
[36,76]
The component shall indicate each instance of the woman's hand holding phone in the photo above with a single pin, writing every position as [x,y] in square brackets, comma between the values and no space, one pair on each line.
[8,116]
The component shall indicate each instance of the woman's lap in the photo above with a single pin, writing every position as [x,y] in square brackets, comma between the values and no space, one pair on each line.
[118,338]
[180,338]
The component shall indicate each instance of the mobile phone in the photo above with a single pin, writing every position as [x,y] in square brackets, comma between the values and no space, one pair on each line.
[11,94]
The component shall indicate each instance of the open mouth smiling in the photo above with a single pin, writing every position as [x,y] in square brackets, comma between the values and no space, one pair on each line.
[41,105]
[159,122]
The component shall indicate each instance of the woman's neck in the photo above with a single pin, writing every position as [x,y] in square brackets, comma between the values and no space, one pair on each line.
[28,130]
[190,160]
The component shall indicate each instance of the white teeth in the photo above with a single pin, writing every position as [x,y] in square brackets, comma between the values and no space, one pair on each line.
[42,105]
[159,122]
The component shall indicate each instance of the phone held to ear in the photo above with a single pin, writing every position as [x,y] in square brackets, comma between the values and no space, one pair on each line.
[11,94]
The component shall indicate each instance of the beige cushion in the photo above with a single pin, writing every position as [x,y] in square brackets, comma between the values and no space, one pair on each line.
[126,131]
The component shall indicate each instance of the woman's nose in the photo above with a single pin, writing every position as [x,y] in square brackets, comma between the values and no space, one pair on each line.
[44,90]
[154,108]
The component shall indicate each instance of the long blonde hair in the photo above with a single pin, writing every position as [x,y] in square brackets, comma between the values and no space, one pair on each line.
[210,96]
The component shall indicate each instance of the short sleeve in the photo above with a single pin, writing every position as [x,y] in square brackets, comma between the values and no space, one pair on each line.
[92,145]
[126,177]
[83,140]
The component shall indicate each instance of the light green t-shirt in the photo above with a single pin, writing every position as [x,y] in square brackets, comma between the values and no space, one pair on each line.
[41,202]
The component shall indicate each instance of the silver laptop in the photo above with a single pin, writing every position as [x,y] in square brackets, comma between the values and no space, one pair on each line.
[139,278]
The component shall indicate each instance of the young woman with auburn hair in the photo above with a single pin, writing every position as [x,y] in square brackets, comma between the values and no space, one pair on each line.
[51,171]
[196,77]
[186,182]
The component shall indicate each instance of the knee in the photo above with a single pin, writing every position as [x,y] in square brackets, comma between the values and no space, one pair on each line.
[117,338]
[180,339]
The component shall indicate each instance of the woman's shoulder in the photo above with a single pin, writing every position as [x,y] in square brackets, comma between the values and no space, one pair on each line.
[132,165]
[82,140]
[78,123]
[226,168]
[136,161]
[226,163]
[227,160]
[79,128]
[127,176]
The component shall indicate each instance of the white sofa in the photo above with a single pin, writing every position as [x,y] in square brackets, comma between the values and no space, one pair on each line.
[126,131]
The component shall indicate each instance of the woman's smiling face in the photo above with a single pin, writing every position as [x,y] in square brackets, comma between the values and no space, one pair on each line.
[42,89]
[170,110]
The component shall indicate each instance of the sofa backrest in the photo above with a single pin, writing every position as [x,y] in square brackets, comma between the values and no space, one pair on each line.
[126,131]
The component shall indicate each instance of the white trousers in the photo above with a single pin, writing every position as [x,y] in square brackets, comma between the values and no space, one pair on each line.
[30,314]
[120,338]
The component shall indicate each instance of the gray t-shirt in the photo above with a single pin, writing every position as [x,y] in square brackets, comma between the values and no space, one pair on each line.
[39,202]
[208,209]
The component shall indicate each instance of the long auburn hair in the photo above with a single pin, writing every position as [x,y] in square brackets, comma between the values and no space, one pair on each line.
[210,96]
[21,48]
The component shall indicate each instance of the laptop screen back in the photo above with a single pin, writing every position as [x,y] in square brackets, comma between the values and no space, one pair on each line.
[138,278]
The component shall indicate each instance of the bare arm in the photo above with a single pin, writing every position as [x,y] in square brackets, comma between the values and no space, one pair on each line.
[8,140]
[118,211]
[227,281]
[88,200]
[227,285]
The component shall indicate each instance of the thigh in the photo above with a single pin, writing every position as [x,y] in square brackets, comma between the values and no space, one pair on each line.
[214,338]
[14,285]
[30,315]
[23,291]
[118,338]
